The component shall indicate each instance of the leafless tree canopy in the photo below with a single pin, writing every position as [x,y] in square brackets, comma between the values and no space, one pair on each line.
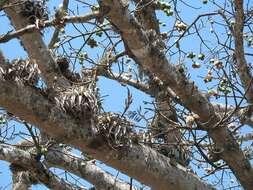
[191,127]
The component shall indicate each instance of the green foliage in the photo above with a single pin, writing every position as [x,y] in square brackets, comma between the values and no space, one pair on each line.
[165,7]
[2,120]
[95,8]
[201,56]
[191,55]
[204,1]
[99,33]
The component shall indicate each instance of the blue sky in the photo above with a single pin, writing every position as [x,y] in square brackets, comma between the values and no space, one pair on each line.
[114,92]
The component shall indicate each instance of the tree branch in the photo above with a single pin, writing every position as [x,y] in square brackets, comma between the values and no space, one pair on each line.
[154,60]
[37,50]
[27,161]
[241,63]
[21,179]
[85,169]
[30,28]
[240,113]
[63,10]
[138,161]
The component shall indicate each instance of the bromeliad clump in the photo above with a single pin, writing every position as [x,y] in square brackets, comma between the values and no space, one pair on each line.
[115,128]
[80,101]
[22,71]
[34,10]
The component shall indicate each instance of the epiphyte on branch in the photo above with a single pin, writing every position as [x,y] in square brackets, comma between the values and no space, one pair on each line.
[63,64]
[34,10]
[24,71]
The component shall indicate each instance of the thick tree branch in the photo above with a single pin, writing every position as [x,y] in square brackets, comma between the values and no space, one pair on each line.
[154,60]
[145,13]
[59,157]
[37,170]
[37,50]
[139,162]
[21,179]
[86,170]
[241,62]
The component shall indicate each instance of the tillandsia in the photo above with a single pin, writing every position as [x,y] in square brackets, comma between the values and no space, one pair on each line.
[80,100]
[116,129]
[172,114]
[22,71]
[34,10]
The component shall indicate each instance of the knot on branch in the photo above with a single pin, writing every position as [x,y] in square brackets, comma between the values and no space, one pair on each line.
[22,71]
[63,64]
[214,155]
[116,129]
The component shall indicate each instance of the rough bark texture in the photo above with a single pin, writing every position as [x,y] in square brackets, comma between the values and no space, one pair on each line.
[30,105]
[39,107]
[155,61]
[37,50]
[243,67]
[86,170]
[25,161]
